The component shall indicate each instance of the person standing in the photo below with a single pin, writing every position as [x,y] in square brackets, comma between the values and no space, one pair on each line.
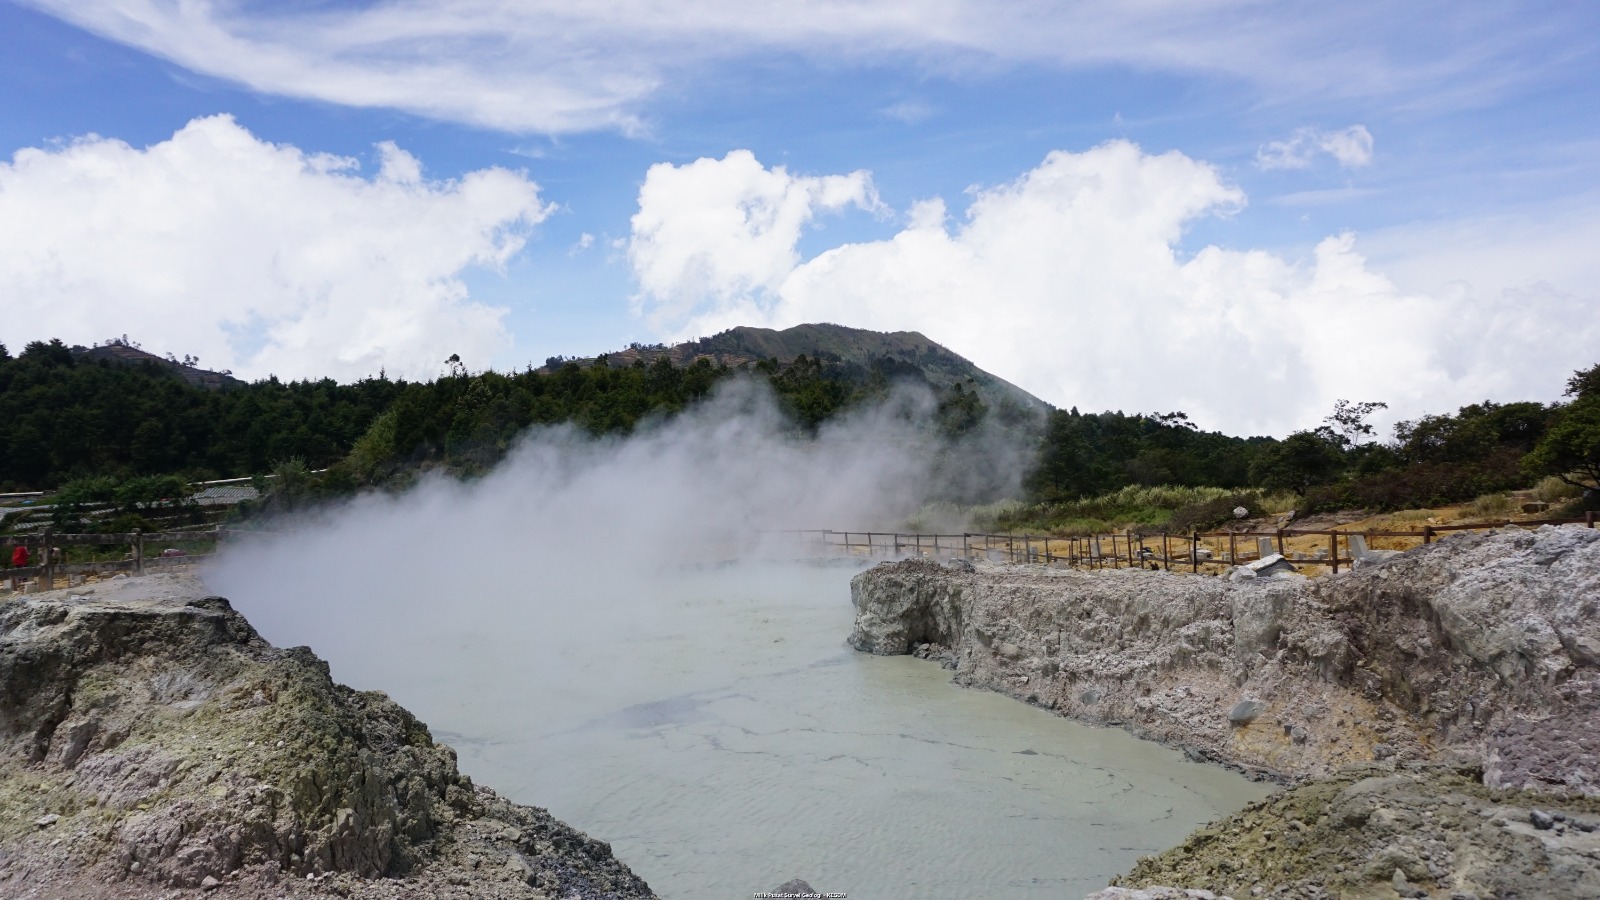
[19,560]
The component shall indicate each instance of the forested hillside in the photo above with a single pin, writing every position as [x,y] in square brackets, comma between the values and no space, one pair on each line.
[848,353]
[70,417]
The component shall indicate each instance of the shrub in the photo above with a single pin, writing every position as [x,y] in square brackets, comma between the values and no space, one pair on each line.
[1489,506]
[1553,490]
[1213,513]
[1421,485]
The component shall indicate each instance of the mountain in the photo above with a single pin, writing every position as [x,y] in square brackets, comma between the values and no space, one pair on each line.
[848,351]
[129,355]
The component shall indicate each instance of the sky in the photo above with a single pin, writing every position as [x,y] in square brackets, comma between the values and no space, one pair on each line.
[1243,210]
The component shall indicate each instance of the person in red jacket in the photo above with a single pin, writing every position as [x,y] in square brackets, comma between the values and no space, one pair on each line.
[19,559]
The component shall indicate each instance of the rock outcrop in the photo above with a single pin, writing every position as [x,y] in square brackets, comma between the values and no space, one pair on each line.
[1484,646]
[1437,710]
[150,739]
[1379,831]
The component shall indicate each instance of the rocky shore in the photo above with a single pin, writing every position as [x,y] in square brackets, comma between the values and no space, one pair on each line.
[1437,713]
[153,741]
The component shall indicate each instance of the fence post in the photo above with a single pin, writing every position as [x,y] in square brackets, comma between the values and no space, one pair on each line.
[1427,534]
[1166,553]
[1233,549]
[1333,549]
[47,572]
[966,545]
[1194,553]
[1588,518]
[138,551]
[1280,544]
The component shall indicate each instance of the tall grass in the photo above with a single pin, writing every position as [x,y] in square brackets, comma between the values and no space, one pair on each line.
[1130,507]
[1489,506]
[1553,490]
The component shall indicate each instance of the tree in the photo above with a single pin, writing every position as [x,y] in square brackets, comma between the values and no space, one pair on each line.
[1570,447]
[1299,462]
[1349,421]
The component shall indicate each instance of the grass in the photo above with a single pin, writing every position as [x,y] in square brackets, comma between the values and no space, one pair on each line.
[1553,490]
[1150,509]
[1489,506]
[1130,507]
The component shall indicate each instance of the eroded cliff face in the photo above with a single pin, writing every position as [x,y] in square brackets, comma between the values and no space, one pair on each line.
[1439,710]
[1480,645]
[150,738]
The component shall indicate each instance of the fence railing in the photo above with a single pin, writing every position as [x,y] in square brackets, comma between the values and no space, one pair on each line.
[48,561]
[1195,551]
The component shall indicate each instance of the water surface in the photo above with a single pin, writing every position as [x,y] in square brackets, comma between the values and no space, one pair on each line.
[722,737]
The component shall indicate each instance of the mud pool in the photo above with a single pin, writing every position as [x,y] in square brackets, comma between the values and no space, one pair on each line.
[721,736]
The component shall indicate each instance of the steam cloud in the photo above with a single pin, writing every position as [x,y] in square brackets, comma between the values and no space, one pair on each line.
[545,549]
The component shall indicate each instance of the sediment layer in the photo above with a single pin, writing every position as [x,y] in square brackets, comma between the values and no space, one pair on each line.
[1479,654]
[150,739]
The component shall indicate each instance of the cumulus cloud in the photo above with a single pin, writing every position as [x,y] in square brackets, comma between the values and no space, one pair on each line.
[724,228]
[254,256]
[1350,147]
[549,66]
[1070,281]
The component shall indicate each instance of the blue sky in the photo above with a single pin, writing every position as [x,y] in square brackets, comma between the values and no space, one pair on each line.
[1356,200]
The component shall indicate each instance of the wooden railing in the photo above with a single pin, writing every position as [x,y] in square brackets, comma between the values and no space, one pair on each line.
[1195,551]
[48,563]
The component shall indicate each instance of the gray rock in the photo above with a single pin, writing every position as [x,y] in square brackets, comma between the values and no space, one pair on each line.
[517,866]
[1245,711]
[1542,820]
[1491,655]
[182,701]
[1271,564]
[1154,893]
[961,564]
[210,883]
[794,886]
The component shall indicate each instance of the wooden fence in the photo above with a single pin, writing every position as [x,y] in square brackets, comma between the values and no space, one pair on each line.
[48,563]
[1194,551]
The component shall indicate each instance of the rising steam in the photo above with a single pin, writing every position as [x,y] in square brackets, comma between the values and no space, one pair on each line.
[574,533]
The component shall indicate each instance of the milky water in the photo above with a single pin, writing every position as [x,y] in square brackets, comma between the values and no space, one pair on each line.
[733,741]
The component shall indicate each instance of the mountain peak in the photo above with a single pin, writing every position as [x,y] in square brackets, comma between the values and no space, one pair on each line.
[832,344]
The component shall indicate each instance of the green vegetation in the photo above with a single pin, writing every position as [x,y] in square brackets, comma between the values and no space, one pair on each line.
[1570,447]
[97,423]
[1109,471]
[1145,509]
[66,419]
[125,433]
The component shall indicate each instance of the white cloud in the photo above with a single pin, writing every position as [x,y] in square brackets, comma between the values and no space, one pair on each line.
[255,256]
[1069,281]
[1350,147]
[551,66]
[718,229]
[584,242]
[909,112]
